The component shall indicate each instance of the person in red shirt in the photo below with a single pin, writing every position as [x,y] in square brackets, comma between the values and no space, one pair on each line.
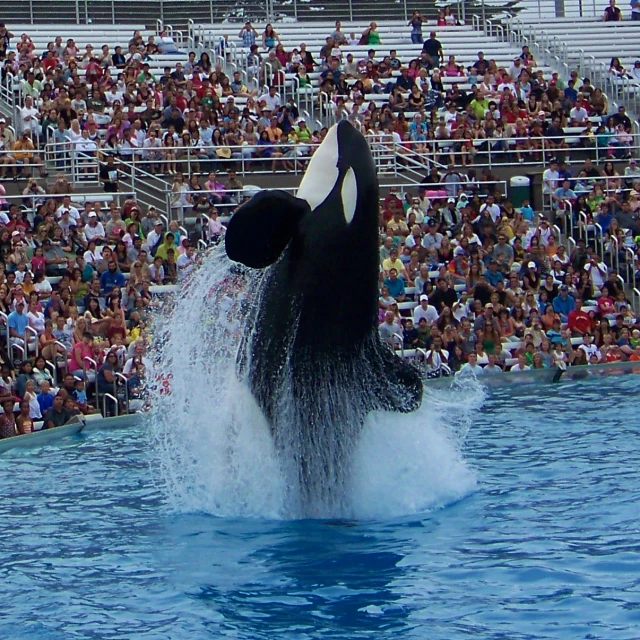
[392,195]
[394,206]
[181,101]
[579,322]
[50,62]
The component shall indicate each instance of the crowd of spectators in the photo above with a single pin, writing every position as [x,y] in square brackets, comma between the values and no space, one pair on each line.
[78,281]
[110,103]
[465,277]
[478,285]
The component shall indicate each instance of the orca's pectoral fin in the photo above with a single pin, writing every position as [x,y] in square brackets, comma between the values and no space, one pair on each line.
[260,229]
[398,385]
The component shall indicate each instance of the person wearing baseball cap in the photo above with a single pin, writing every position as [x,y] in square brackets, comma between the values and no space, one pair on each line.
[425,310]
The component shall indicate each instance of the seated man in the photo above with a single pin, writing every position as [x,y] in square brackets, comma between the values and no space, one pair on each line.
[395,285]
[554,136]
[25,156]
[56,416]
[18,322]
[388,329]
[166,44]
[425,310]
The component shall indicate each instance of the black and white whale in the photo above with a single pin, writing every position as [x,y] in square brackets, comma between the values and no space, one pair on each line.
[312,354]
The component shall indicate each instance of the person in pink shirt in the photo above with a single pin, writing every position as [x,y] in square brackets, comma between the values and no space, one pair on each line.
[216,190]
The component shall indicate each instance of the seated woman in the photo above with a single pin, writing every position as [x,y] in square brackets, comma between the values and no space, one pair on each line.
[77,364]
[41,373]
[106,380]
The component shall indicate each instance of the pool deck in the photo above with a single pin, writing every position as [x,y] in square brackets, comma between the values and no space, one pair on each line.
[86,424]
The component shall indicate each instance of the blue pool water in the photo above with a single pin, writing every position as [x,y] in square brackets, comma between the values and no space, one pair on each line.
[534,535]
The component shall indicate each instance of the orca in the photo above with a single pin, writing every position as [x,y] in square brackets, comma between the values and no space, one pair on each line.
[312,354]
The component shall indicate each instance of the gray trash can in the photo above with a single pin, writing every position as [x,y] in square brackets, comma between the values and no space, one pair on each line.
[519,190]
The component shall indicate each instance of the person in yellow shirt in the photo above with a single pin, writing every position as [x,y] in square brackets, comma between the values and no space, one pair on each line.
[25,157]
[303,133]
[274,131]
[398,226]
[393,262]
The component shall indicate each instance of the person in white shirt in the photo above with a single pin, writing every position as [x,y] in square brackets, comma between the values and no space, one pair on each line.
[545,231]
[74,214]
[153,236]
[493,208]
[151,150]
[272,100]
[113,94]
[130,145]
[471,368]
[550,178]
[450,117]
[589,348]
[94,229]
[437,356]
[187,262]
[598,271]
[425,310]
[86,145]
[417,210]
[492,368]
[166,43]
[29,117]
[520,366]
[578,115]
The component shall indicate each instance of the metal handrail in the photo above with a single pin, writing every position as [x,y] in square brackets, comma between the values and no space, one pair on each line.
[119,376]
[54,371]
[5,318]
[31,330]
[630,267]
[614,247]
[636,299]
[584,222]
[19,348]
[106,396]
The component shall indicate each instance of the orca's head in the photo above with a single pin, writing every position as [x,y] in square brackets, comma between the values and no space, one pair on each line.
[335,211]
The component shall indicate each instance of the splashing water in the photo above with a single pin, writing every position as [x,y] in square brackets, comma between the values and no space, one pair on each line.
[214,449]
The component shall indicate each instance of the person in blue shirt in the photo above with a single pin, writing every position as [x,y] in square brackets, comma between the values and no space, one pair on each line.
[604,217]
[563,304]
[492,274]
[527,211]
[18,322]
[110,279]
[570,91]
[563,195]
[554,335]
[395,285]
[45,397]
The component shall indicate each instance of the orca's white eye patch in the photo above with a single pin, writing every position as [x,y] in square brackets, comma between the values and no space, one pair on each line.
[349,195]
[322,173]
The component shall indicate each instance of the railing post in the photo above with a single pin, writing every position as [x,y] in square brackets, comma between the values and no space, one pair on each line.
[123,378]
[104,403]
[28,332]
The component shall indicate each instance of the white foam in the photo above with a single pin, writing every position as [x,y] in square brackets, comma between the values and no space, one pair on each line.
[410,463]
[212,448]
